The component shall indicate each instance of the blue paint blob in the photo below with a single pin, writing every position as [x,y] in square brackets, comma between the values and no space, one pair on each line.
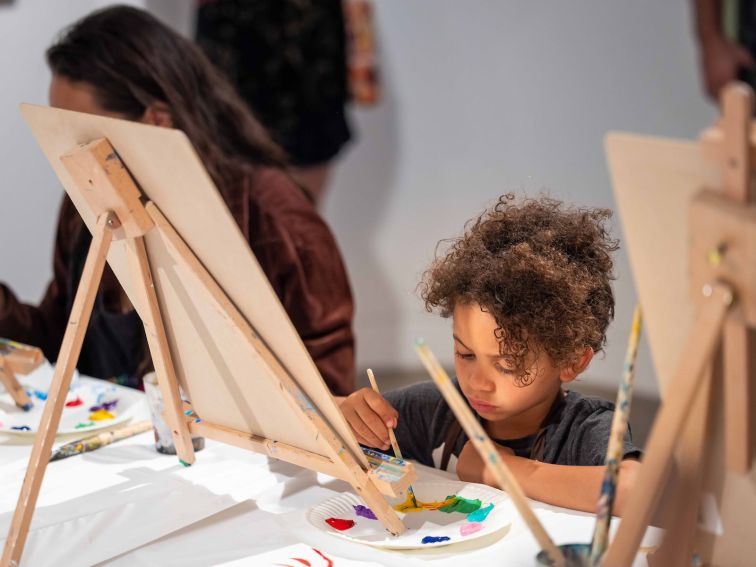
[27,407]
[40,395]
[480,514]
[434,539]
[21,428]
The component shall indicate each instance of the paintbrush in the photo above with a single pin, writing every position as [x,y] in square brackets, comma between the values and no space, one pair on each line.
[616,444]
[487,450]
[16,390]
[100,440]
[392,437]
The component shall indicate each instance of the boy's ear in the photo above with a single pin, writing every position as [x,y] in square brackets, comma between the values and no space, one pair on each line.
[576,368]
[158,114]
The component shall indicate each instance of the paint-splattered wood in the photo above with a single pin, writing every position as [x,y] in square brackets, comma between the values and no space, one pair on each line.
[20,358]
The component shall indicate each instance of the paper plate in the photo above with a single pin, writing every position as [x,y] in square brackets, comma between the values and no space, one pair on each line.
[433,524]
[76,417]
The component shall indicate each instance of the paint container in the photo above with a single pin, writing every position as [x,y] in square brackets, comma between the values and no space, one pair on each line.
[575,555]
[163,437]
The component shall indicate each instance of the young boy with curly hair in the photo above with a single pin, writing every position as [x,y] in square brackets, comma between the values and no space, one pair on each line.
[528,289]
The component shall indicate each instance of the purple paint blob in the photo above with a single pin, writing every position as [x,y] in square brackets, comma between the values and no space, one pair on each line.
[434,539]
[364,512]
[107,406]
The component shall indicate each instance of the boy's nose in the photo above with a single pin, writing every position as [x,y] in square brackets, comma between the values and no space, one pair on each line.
[480,382]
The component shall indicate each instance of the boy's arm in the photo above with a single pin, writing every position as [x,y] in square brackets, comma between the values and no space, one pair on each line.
[560,485]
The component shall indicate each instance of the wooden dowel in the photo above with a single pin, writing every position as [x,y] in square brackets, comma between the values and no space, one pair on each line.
[616,443]
[56,395]
[487,450]
[157,341]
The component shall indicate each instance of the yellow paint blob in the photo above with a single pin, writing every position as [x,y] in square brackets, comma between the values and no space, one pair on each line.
[101,415]
[409,506]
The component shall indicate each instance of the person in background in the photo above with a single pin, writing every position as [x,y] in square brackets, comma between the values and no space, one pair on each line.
[726,33]
[122,62]
[296,63]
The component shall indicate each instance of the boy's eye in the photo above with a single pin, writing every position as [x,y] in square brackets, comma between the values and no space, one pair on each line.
[501,370]
[464,355]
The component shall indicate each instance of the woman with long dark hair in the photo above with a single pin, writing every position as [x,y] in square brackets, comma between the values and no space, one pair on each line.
[123,62]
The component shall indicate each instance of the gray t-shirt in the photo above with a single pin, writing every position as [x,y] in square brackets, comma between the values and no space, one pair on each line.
[575,431]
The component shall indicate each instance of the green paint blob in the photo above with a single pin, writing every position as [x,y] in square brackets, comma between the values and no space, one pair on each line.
[461,505]
[183,462]
[83,425]
[481,514]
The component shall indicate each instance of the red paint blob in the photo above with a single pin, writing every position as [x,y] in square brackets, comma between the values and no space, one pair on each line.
[339,524]
[75,402]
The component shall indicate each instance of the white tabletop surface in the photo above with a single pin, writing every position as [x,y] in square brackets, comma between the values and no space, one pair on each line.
[127,505]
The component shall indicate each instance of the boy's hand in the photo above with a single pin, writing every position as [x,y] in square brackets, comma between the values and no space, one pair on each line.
[369,415]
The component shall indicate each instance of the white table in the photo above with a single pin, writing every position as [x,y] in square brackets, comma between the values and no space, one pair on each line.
[127,505]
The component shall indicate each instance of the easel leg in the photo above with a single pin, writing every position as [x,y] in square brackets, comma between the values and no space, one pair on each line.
[161,354]
[739,353]
[677,548]
[8,379]
[695,357]
[380,507]
[56,398]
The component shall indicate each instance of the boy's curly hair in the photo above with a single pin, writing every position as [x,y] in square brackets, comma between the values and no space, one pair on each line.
[542,269]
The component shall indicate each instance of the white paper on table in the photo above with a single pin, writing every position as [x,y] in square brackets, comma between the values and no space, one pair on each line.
[289,556]
[96,506]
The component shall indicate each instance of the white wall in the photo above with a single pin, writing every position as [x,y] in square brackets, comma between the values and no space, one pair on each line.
[489,96]
[482,97]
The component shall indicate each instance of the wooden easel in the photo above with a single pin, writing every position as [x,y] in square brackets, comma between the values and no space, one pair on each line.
[18,359]
[719,351]
[122,215]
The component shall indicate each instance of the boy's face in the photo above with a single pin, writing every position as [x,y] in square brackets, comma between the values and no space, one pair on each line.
[491,388]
